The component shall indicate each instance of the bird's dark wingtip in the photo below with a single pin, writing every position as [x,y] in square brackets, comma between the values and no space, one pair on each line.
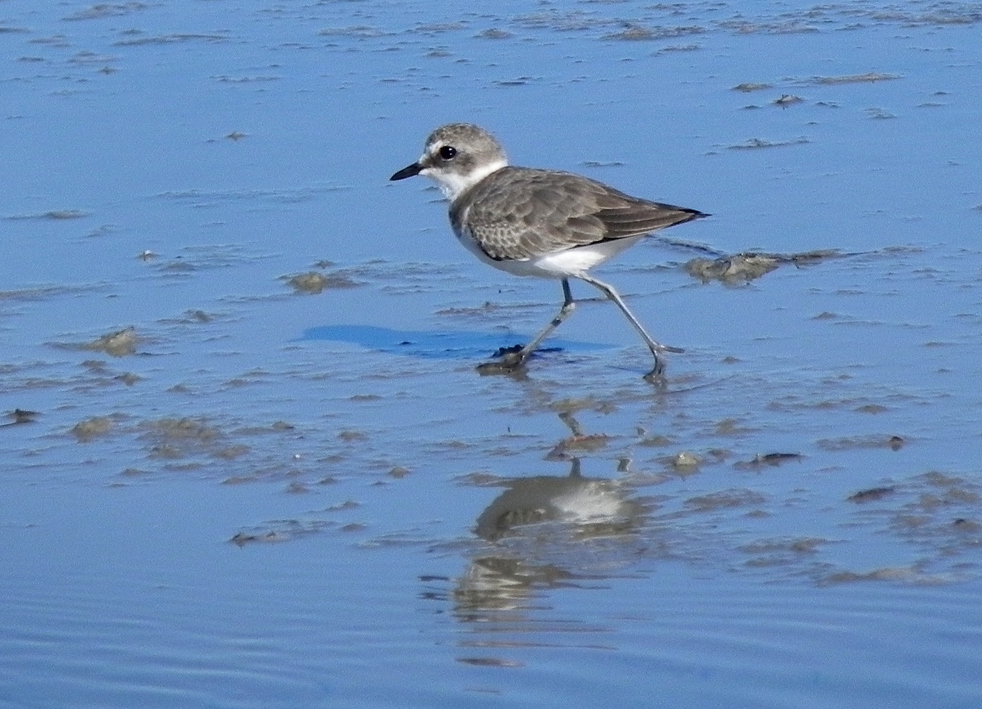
[690,215]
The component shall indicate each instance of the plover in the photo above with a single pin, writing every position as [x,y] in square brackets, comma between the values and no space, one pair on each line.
[532,222]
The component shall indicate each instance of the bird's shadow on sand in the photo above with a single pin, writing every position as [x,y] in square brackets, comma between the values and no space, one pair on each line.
[428,344]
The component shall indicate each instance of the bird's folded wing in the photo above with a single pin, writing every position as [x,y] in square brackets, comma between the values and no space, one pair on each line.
[520,213]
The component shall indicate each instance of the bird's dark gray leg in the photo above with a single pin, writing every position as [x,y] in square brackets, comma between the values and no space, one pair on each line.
[655,347]
[511,361]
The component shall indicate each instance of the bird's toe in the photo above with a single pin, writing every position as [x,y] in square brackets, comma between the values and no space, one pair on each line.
[510,359]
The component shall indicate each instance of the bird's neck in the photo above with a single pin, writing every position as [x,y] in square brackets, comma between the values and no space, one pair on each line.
[454,185]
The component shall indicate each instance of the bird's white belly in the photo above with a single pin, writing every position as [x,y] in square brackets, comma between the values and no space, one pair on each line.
[555,264]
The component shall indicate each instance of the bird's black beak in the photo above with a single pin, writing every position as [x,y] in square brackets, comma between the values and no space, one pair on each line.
[408,171]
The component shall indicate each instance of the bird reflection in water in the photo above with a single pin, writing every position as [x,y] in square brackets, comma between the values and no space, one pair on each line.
[585,506]
[547,531]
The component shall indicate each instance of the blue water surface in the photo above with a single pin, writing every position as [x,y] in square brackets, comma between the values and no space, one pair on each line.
[221,490]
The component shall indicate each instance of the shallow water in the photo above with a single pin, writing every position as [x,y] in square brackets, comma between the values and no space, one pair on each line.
[220,489]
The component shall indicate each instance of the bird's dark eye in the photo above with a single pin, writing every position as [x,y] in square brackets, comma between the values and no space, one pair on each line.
[447,152]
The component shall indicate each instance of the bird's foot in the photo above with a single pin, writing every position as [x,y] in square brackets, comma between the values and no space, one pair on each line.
[669,348]
[510,360]
[657,374]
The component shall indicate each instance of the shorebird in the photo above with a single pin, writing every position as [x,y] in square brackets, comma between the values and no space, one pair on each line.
[533,222]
